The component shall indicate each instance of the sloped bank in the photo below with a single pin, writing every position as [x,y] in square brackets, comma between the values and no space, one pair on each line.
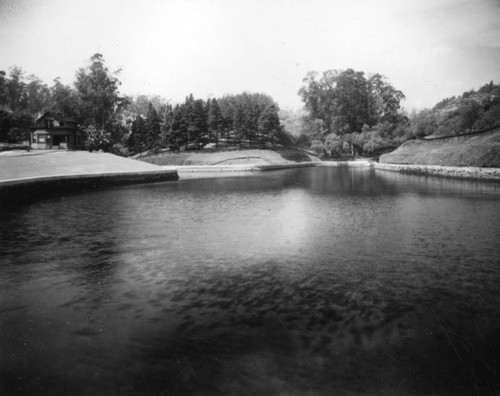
[28,176]
[248,157]
[482,151]
[473,157]
[462,172]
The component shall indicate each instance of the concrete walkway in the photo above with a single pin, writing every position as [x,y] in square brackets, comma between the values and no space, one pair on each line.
[24,175]
[15,165]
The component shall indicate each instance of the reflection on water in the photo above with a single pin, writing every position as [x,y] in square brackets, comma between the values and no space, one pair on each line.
[312,281]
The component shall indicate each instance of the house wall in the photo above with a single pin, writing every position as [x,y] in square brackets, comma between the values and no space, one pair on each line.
[40,146]
[43,139]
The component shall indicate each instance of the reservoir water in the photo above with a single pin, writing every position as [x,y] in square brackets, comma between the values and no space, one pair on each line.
[312,281]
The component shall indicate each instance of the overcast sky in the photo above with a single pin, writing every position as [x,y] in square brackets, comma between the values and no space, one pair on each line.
[429,49]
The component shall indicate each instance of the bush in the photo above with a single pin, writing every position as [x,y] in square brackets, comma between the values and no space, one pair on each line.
[17,135]
[120,149]
[97,139]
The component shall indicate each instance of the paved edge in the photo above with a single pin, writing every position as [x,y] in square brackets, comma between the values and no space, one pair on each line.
[19,190]
[16,190]
[258,168]
[460,172]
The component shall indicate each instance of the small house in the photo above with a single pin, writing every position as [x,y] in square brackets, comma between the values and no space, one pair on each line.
[53,131]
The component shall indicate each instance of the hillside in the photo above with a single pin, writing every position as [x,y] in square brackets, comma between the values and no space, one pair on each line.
[479,151]
[473,110]
[241,157]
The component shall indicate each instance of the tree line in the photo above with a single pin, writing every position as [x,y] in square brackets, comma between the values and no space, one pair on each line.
[243,120]
[126,125]
[346,112]
[349,113]
[93,100]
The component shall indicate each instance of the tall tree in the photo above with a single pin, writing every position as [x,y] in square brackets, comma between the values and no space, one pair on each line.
[346,100]
[215,121]
[38,95]
[64,100]
[16,90]
[179,130]
[4,99]
[238,123]
[137,139]
[98,94]
[352,105]
[384,100]
[152,129]
[269,124]
[319,96]
[166,115]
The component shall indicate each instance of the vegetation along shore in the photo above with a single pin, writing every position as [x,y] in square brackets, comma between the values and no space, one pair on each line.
[347,114]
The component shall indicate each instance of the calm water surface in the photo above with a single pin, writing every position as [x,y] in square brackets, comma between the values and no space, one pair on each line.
[313,281]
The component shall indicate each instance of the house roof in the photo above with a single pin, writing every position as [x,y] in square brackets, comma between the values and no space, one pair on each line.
[56,116]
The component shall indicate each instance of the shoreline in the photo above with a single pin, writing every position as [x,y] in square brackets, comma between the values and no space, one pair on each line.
[455,172]
[20,190]
[265,167]
[110,171]
[201,171]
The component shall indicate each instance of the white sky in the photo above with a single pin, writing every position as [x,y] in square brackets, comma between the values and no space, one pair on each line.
[429,49]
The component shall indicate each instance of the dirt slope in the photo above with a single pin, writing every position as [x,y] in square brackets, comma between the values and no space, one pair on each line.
[479,151]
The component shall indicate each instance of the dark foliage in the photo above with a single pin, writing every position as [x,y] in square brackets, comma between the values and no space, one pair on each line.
[349,114]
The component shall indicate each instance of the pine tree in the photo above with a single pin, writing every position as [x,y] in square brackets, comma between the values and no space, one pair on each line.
[269,124]
[137,138]
[251,118]
[238,123]
[196,118]
[215,121]
[152,129]
[166,118]
[98,94]
[178,135]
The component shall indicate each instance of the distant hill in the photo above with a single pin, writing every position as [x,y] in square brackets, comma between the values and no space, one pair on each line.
[473,110]
[481,150]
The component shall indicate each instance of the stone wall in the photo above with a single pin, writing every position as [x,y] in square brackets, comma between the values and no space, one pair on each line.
[463,172]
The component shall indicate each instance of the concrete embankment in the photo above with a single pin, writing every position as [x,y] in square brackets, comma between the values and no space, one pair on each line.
[26,176]
[265,167]
[24,189]
[462,172]
[189,171]
[355,164]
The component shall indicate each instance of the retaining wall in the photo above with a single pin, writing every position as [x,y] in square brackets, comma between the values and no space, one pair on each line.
[463,172]
[24,189]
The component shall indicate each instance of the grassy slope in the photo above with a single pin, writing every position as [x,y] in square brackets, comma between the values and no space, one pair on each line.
[480,151]
[250,157]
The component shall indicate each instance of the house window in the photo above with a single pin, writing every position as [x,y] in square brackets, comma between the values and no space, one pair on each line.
[49,123]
